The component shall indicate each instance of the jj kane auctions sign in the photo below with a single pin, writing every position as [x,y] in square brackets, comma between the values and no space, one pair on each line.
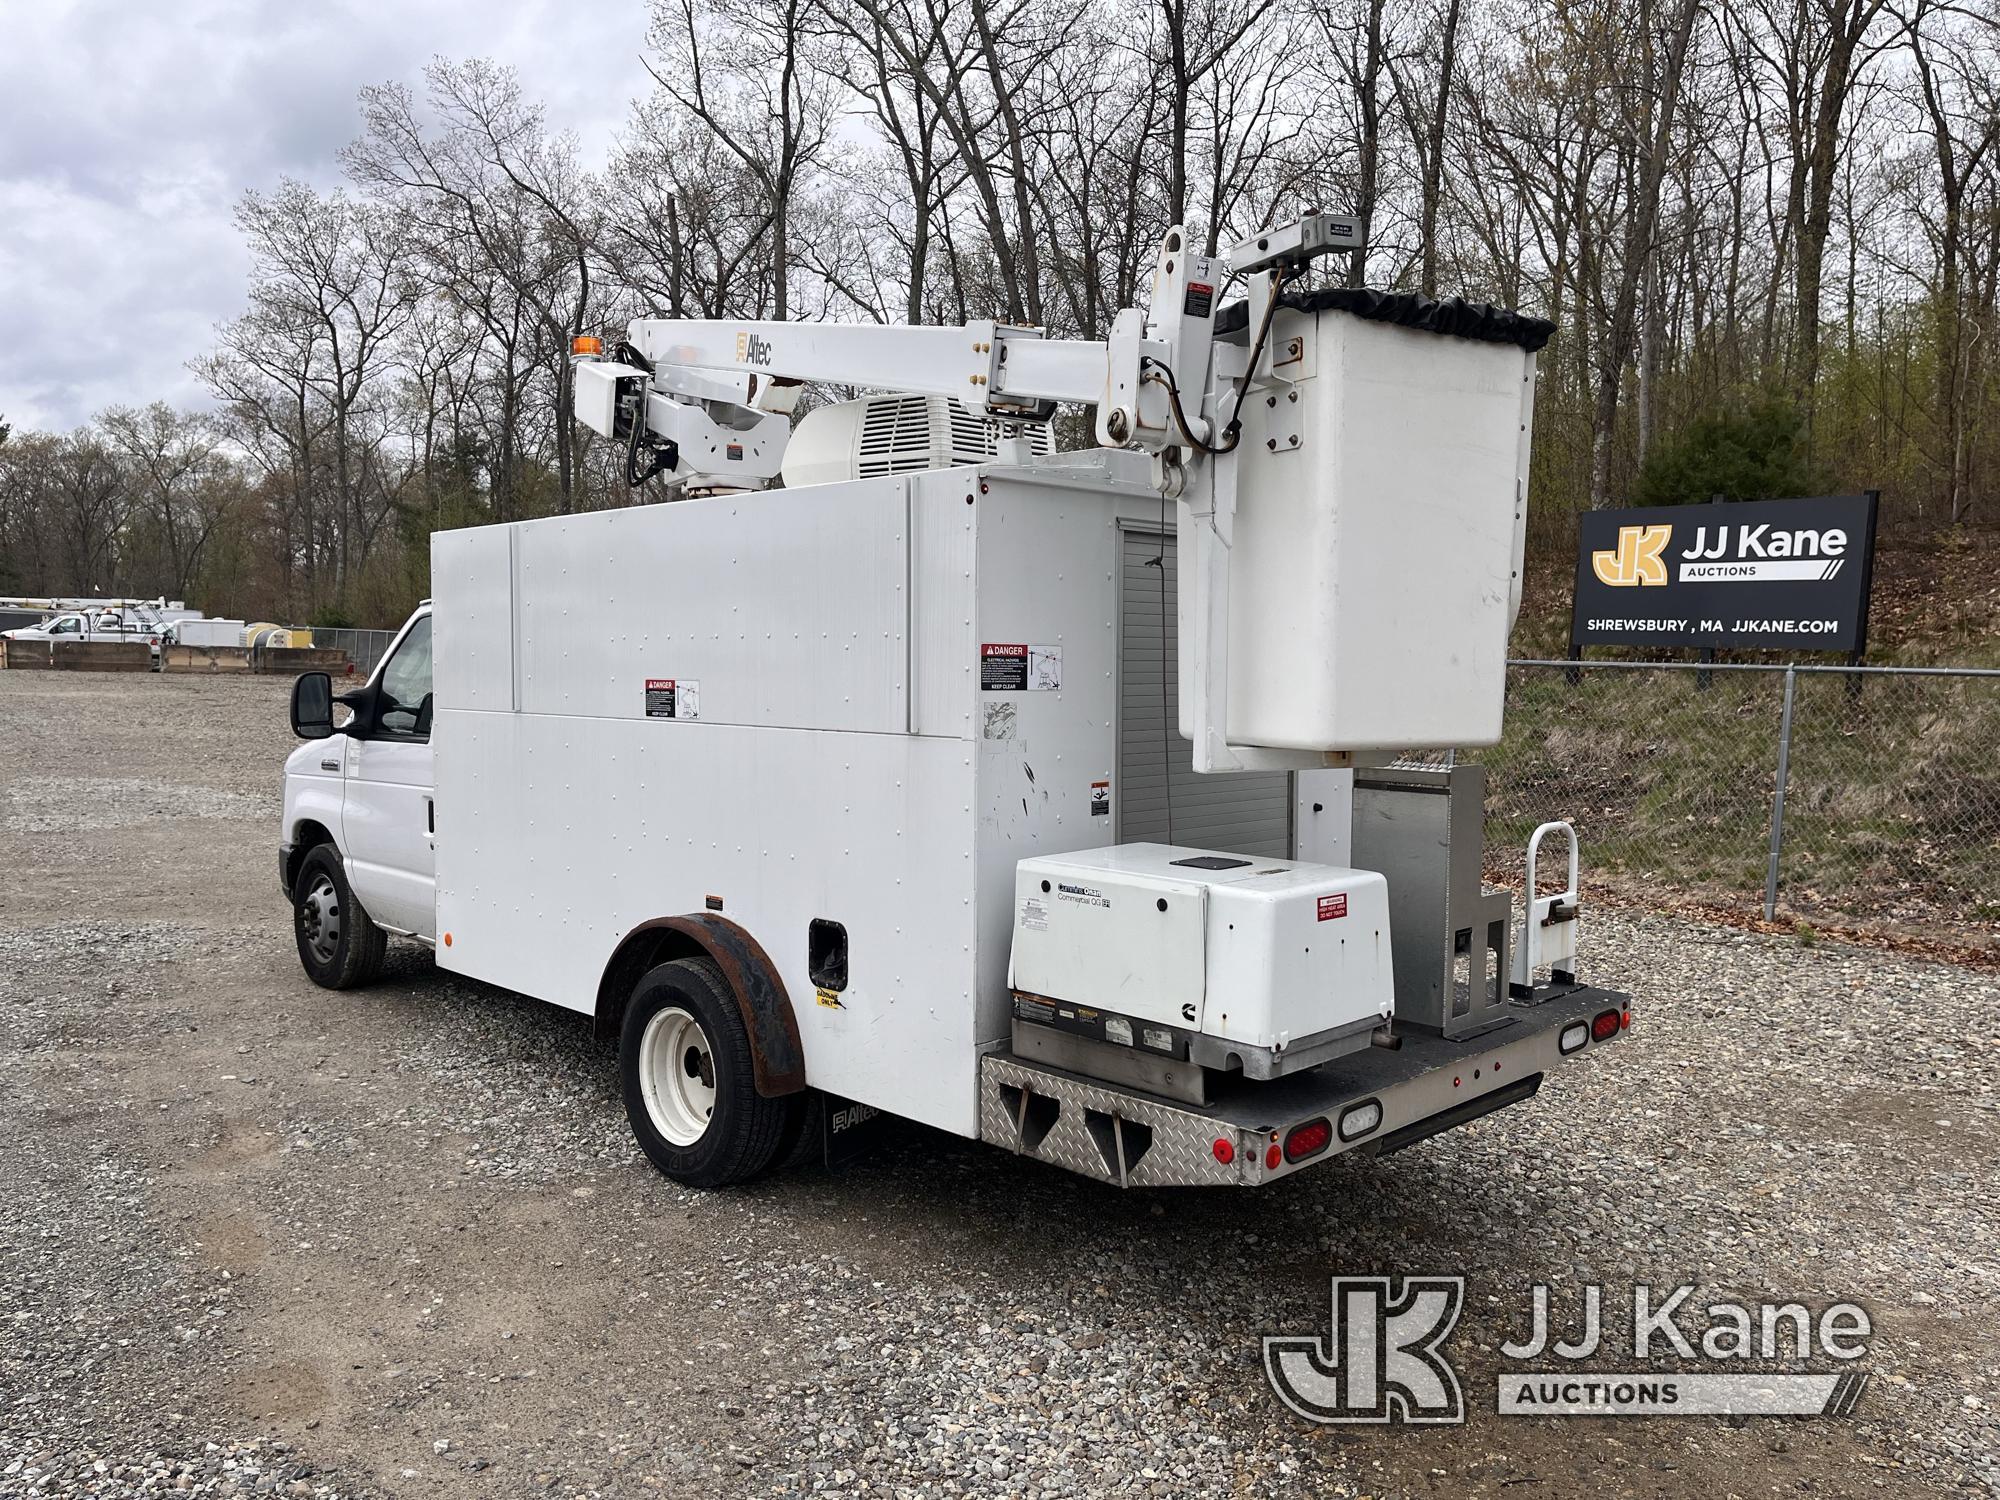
[1766,574]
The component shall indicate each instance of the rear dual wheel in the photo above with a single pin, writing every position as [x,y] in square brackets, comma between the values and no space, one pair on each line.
[690,1084]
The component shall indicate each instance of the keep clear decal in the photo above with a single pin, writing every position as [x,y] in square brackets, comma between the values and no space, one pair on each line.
[673,698]
[1018,668]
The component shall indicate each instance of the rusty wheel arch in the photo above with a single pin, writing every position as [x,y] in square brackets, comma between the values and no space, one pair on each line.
[773,1026]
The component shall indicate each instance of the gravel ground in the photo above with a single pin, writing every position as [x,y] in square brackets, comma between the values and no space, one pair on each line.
[263,1239]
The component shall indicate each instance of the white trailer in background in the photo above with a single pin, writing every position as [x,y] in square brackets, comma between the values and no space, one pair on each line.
[830,796]
[205,633]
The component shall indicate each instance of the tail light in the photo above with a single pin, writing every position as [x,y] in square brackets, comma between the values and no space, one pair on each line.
[1604,1025]
[1308,1139]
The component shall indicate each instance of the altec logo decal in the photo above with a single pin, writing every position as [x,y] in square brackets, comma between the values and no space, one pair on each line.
[752,350]
[1637,558]
[1754,554]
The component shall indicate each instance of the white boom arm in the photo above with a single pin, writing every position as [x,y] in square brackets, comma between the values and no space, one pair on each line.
[992,369]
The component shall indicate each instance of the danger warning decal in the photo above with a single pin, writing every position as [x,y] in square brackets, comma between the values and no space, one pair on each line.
[1005,668]
[1333,906]
[673,698]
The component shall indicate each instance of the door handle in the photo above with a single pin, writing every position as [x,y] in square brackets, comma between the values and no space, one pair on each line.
[430,815]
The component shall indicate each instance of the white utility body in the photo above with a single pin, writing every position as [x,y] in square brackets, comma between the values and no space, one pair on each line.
[816,796]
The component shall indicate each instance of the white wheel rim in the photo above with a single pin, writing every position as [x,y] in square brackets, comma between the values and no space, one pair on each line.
[319,918]
[677,1076]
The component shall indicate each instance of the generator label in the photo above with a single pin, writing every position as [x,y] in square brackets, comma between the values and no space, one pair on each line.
[1019,668]
[1333,906]
[673,698]
[1034,914]
[1100,1026]
[1082,895]
[1100,799]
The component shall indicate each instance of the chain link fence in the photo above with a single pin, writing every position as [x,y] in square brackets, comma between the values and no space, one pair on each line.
[1866,797]
[1862,797]
[364,648]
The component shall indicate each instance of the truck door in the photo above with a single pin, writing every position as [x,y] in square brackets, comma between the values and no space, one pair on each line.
[387,820]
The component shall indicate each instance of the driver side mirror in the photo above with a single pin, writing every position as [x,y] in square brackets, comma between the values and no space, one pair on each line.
[312,706]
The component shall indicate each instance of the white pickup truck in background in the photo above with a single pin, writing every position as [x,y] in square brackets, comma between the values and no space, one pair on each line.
[147,623]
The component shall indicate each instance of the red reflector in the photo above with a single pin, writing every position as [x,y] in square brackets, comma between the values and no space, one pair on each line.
[1308,1139]
[1604,1024]
[1625,1016]
[1224,1152]
[1273,1157]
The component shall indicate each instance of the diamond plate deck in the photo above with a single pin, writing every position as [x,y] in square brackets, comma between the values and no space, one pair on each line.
[1427,1079]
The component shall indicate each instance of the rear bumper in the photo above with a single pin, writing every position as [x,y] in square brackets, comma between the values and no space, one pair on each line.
[1425,1086]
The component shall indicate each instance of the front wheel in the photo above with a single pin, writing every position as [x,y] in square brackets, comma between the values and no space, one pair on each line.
[339,944]
[690,1086]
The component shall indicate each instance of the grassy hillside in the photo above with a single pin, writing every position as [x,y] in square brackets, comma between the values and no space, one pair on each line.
[1892,819]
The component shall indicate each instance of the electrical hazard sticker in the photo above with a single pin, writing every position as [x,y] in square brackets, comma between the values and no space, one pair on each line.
[1333,906]
[1100,799]
[1016,668]
[673,698]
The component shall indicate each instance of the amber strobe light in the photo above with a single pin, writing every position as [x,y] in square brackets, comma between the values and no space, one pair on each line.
[586,343]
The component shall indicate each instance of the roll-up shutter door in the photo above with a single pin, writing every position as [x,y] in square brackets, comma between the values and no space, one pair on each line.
[1245,813]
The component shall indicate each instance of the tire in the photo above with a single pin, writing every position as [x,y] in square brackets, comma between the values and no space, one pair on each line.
[690,1086]
[803,1142]
[322,900]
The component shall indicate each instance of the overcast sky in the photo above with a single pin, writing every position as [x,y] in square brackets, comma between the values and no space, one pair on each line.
[129,128]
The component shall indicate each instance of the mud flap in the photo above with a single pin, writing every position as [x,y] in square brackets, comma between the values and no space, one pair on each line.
[849,1129]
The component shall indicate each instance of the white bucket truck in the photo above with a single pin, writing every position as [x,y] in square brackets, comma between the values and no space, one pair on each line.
[857,797]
